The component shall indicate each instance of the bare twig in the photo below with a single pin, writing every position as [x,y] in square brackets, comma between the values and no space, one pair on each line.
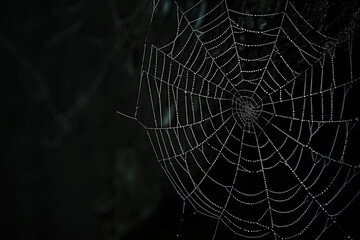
[55,40]
[73,8]
[84,99]
[31,70]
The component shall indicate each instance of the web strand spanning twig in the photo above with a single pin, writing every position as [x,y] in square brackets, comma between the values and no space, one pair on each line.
[132,118]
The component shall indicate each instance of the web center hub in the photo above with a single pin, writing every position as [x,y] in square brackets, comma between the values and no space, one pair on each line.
[247,107]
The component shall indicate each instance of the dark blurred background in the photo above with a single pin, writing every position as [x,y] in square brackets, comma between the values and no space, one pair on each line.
[71,168]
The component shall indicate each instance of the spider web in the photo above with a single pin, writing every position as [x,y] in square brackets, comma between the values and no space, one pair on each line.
[246,115]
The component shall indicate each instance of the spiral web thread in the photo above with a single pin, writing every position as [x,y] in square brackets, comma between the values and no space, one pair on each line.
[249,122]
